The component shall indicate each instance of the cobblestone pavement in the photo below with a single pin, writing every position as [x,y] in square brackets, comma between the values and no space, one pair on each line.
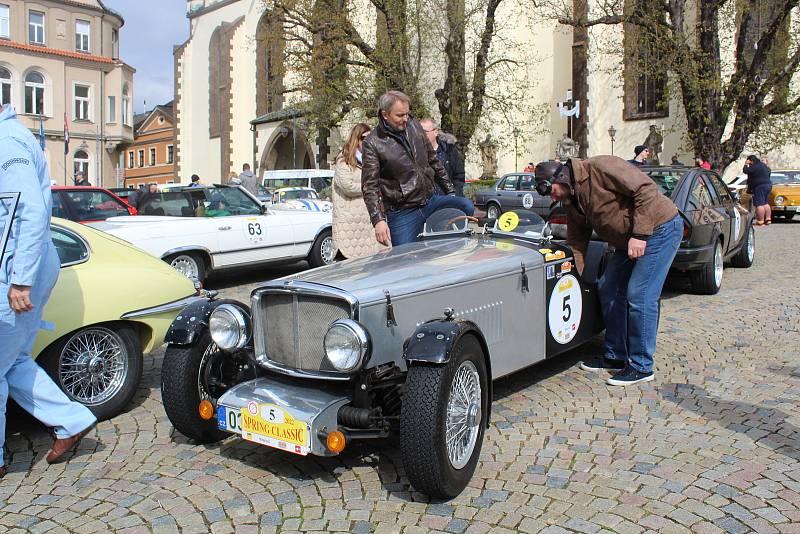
[710,446]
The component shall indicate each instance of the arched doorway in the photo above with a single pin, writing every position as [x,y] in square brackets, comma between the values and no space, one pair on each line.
[288,148]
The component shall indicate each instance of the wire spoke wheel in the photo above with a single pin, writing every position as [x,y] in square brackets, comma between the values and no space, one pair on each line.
[93,365]
[463,414]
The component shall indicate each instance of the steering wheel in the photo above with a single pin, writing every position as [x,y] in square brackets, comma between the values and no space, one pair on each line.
[460,218]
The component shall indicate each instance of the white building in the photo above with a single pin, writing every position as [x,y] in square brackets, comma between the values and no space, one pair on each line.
[229,110]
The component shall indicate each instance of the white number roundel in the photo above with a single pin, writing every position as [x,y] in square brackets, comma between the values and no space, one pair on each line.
[527,201]
[564,311]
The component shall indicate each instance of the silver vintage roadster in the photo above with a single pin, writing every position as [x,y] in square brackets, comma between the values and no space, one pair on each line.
[407,341]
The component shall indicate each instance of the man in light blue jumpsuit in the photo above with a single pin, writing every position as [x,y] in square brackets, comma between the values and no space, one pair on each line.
[28,272]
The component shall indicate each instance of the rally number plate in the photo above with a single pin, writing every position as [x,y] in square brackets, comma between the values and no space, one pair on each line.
[270,425]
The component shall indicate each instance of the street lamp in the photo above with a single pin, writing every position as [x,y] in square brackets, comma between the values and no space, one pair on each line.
[612,132]
[516,132]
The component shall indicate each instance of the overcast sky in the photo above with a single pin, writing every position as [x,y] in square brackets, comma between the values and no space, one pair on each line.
[152,28]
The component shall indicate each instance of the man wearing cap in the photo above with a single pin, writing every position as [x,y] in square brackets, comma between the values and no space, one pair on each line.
[640,154]
[625,208]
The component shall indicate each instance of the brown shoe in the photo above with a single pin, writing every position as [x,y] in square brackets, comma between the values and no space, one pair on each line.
[61,446]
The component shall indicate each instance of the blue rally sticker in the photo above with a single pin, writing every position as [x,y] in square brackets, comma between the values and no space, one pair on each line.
[222,423]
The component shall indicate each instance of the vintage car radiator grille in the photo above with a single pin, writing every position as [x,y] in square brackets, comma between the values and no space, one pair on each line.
[295,327]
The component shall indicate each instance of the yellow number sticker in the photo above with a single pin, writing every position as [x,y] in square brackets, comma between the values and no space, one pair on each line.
[508,221]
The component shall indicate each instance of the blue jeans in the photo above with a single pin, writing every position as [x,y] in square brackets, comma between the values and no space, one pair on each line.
[405,225]
[629,295]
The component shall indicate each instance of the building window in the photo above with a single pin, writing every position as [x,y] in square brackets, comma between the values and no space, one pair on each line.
[4,17]
[34,94]
[141,158]
[80,163]
[112,109]
[645,85]
[81,103]
[130,159]
[81,36]
[152,156]
[126,116]
[36,27]
[5,86]
[115,43]
[170,154]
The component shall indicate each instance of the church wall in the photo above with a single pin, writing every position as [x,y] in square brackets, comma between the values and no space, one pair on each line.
[243,84]
[198,152]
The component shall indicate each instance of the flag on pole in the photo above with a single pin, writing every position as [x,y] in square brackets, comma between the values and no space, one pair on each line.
[41,132]
[66,136]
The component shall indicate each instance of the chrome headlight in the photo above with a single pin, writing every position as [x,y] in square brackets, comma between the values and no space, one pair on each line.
[779,200]
[229,327]
[346,345]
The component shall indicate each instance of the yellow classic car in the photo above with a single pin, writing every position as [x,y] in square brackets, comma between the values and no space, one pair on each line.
[785,196]
[112,303]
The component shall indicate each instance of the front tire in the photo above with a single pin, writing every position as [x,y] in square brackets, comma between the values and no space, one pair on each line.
[788,216]
[323,252]
[493,211]
[708,279]
[747,253]
[98,366]
[184,384]
[443,419]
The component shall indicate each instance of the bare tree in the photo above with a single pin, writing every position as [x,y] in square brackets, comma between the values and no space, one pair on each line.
[729,93]
[339,69]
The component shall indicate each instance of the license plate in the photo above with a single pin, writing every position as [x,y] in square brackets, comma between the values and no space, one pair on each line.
[229,419]
[273,426]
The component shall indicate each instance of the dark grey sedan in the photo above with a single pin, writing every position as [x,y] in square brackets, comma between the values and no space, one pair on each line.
[512,191]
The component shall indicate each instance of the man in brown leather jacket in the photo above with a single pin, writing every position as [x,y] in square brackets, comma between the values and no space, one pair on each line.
[398,173]
[625,208]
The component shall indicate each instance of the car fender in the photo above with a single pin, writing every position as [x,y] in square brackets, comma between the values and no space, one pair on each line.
[189,325]
[433,342]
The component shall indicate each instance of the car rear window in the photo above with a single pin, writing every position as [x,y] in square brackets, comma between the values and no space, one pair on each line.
[94,205]
[666,181]
[170,204]
[779,178]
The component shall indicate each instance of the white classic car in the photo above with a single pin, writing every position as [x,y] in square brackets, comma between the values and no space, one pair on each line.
[202,229]
[299,198]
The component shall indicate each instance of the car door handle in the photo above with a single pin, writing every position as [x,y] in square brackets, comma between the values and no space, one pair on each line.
[223,228]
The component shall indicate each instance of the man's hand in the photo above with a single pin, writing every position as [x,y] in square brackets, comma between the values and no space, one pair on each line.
[636,248]
[382,234]
[19,298]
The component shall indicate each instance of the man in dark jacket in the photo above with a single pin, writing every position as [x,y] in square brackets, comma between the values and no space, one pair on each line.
[640,155]
[447,154]
[625,208]
[398,174]
[759,185]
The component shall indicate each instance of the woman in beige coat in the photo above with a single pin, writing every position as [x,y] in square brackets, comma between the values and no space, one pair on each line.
[352,230]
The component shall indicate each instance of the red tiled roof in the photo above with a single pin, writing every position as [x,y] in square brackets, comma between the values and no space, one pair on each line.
[55,52]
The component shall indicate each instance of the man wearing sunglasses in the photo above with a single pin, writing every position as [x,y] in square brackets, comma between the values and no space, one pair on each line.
[625,208]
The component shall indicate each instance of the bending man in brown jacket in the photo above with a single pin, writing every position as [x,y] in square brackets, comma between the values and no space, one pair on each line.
[625,208]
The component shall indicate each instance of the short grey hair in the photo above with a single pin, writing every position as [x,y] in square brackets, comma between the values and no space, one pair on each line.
[389,98]
[430,120]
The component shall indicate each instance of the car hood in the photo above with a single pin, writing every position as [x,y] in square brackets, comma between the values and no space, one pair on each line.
[786,189]
[423,266]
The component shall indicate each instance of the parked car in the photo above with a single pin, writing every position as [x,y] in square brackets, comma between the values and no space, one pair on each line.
[123,192]
[717,228]
[785,196]
[198,230]
[87,204]
[299,198]
[99,331]
[409,339]
[517,191]
[318,179]
[512,191]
